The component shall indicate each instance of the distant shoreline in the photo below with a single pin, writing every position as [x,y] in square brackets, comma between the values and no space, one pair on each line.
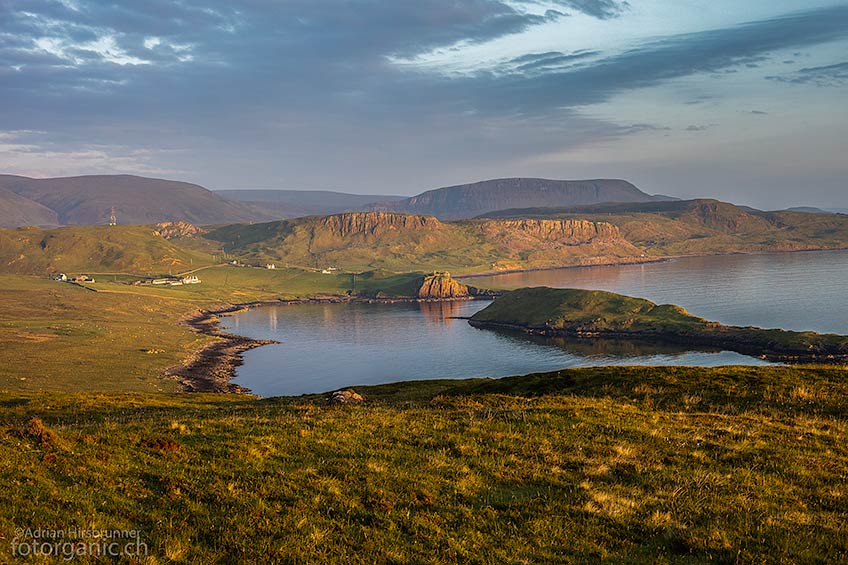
[646,261]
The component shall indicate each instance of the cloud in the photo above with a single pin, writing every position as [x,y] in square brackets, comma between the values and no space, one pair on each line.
[546,62]
[601,9]
[825,76]
[669,58]
[243,87]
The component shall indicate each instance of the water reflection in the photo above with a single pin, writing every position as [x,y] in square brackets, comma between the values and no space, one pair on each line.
[440,312]
[272,318]
[611,349]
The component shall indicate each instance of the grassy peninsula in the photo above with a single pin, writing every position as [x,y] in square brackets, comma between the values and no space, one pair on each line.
[593,313]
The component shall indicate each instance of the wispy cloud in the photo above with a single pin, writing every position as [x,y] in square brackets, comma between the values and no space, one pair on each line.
[824,76]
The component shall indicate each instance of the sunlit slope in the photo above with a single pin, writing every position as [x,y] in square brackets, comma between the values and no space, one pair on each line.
[132,249]
[406,242]
[705,226]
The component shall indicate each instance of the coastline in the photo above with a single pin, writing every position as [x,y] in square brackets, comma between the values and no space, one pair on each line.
[628,261]
[647,261]
[212,367]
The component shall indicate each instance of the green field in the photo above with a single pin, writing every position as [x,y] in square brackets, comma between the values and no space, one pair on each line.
[648,465]
[110,335]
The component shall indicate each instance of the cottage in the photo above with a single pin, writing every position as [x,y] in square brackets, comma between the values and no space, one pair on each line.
[192,279]
[270,266]
[61,277]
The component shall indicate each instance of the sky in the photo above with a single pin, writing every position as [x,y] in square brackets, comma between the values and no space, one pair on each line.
[742,101]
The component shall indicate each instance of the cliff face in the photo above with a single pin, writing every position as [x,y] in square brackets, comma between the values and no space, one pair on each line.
[375,223]
[567,232]
[398,242]
[441,285]
[176,230]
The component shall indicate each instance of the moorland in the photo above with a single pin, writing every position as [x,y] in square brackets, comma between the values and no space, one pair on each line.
[619,464]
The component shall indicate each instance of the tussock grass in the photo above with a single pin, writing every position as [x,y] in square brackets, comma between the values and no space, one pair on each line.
[617,464]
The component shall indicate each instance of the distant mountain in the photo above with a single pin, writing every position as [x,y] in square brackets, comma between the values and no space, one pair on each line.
[807,209]
[470,200]
[16,210]
[297,203]
[88,200]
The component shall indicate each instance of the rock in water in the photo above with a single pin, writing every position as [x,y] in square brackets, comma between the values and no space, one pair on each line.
[441,285]
[346,397]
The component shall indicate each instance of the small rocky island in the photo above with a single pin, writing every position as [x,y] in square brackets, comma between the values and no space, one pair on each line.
[589,314]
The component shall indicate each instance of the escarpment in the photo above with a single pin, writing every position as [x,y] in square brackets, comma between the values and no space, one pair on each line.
[375,223]
[399,242]
[572,232]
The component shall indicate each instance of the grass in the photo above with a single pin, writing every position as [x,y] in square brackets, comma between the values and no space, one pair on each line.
[617,464]
[58,336]
[112,249]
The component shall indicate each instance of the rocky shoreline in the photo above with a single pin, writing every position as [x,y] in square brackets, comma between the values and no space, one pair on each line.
[212,367]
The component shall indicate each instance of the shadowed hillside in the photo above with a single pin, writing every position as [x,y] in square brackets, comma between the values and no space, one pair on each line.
[88,200]
[469,200]
[397,241]
[298,203]
[16,210]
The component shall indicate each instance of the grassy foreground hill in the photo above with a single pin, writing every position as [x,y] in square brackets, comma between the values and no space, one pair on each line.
[661,465]
[702,227]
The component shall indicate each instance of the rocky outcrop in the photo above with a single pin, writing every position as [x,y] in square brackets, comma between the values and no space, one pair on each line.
[375,223]
[441,285]
[347,397]
[176,230]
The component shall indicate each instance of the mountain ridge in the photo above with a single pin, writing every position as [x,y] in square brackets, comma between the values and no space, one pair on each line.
[89,199]
[298,203]
[472,199]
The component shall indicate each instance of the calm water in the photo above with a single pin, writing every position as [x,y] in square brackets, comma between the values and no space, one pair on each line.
[329,346]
